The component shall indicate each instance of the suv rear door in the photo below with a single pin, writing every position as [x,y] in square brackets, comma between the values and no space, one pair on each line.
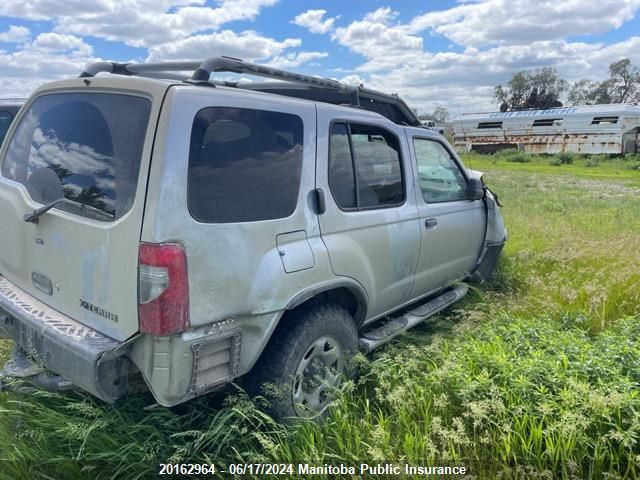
[80,257]
[370,226]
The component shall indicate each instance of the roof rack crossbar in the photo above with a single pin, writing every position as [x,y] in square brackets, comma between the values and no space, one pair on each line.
[165,75]
[202,72]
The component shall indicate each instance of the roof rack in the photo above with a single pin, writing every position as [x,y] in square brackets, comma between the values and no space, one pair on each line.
[313,88]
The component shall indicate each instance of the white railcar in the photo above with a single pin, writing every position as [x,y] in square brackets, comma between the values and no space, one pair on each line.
[612,129]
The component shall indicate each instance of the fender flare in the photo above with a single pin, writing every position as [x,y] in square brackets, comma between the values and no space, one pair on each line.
[350,284]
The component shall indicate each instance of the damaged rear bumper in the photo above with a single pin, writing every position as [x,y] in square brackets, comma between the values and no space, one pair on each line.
[85,357]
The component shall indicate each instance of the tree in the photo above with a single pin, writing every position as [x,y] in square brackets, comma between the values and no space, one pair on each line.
[623,85]
[586,92]
[92,196]
[580,92]
[514,95]
[623,81]
[440,114]
[531,89]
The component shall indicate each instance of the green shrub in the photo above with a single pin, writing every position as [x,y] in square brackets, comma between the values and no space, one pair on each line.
[554,206]
[519,158]
[513,155]
[555,162]
[634,166]
[632,161]
[565,158]
[591,162]
[507,152]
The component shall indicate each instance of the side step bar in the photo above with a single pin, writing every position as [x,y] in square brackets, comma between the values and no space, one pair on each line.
[372,339]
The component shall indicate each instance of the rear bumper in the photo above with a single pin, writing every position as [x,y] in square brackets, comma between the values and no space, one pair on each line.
[85,357]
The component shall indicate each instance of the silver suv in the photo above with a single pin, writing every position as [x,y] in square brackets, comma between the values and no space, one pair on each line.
[193,231]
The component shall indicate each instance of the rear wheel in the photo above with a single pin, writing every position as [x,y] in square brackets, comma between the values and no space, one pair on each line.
[306,362]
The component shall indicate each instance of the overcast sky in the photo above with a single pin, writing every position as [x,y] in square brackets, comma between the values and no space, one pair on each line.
[448,53]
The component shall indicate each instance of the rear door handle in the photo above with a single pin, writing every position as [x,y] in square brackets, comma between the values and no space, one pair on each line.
[430,223]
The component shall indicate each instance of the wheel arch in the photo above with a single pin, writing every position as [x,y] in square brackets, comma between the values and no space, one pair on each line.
[297,332]
[346,293]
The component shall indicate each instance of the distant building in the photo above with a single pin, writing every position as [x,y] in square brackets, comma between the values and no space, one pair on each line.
[582,129]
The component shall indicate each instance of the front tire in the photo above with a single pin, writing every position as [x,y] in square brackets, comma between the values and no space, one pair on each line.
[306,361]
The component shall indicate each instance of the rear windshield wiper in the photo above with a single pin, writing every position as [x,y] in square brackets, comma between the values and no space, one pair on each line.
[94,210]
[36,214]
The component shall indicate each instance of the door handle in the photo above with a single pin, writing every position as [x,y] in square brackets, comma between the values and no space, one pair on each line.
[320,203]
[431,223]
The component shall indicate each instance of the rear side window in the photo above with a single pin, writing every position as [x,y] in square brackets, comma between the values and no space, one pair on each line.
[364,167]
[341,173]
[5,121]
[244,165]
[92,141]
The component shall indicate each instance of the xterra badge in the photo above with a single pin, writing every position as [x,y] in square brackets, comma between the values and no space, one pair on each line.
[99,311]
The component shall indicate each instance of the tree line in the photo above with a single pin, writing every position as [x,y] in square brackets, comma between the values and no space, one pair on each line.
[543,88]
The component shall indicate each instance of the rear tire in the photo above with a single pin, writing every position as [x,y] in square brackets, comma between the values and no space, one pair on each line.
[305,362]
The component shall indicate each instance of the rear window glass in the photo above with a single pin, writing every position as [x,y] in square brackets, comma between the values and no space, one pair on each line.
[244,165]
[5,122]
[92,141]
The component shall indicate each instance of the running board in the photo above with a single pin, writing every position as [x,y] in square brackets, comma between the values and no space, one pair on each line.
[372,339]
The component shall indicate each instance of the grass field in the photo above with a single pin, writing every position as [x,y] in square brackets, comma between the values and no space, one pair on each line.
[533,376]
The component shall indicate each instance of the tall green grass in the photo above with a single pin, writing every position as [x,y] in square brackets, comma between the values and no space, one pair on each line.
[532,376]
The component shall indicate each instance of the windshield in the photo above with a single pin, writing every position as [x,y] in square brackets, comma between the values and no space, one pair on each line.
[92,141]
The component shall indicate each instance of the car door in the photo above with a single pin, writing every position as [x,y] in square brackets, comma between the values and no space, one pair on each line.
[453,226]
[370,226]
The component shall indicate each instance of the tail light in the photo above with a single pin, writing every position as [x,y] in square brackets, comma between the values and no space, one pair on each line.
[163,289]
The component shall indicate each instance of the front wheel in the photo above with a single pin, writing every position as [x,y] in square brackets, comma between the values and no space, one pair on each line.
[306,361]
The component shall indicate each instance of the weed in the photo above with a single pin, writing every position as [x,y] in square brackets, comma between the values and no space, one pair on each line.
[507,152]
[554,206]
[519,158]
[634,166]
[566,158]
[591,162]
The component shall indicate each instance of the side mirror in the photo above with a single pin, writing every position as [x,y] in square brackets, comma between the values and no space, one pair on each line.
[475,189]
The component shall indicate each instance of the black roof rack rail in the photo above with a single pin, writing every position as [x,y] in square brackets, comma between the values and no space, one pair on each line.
[391,106]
